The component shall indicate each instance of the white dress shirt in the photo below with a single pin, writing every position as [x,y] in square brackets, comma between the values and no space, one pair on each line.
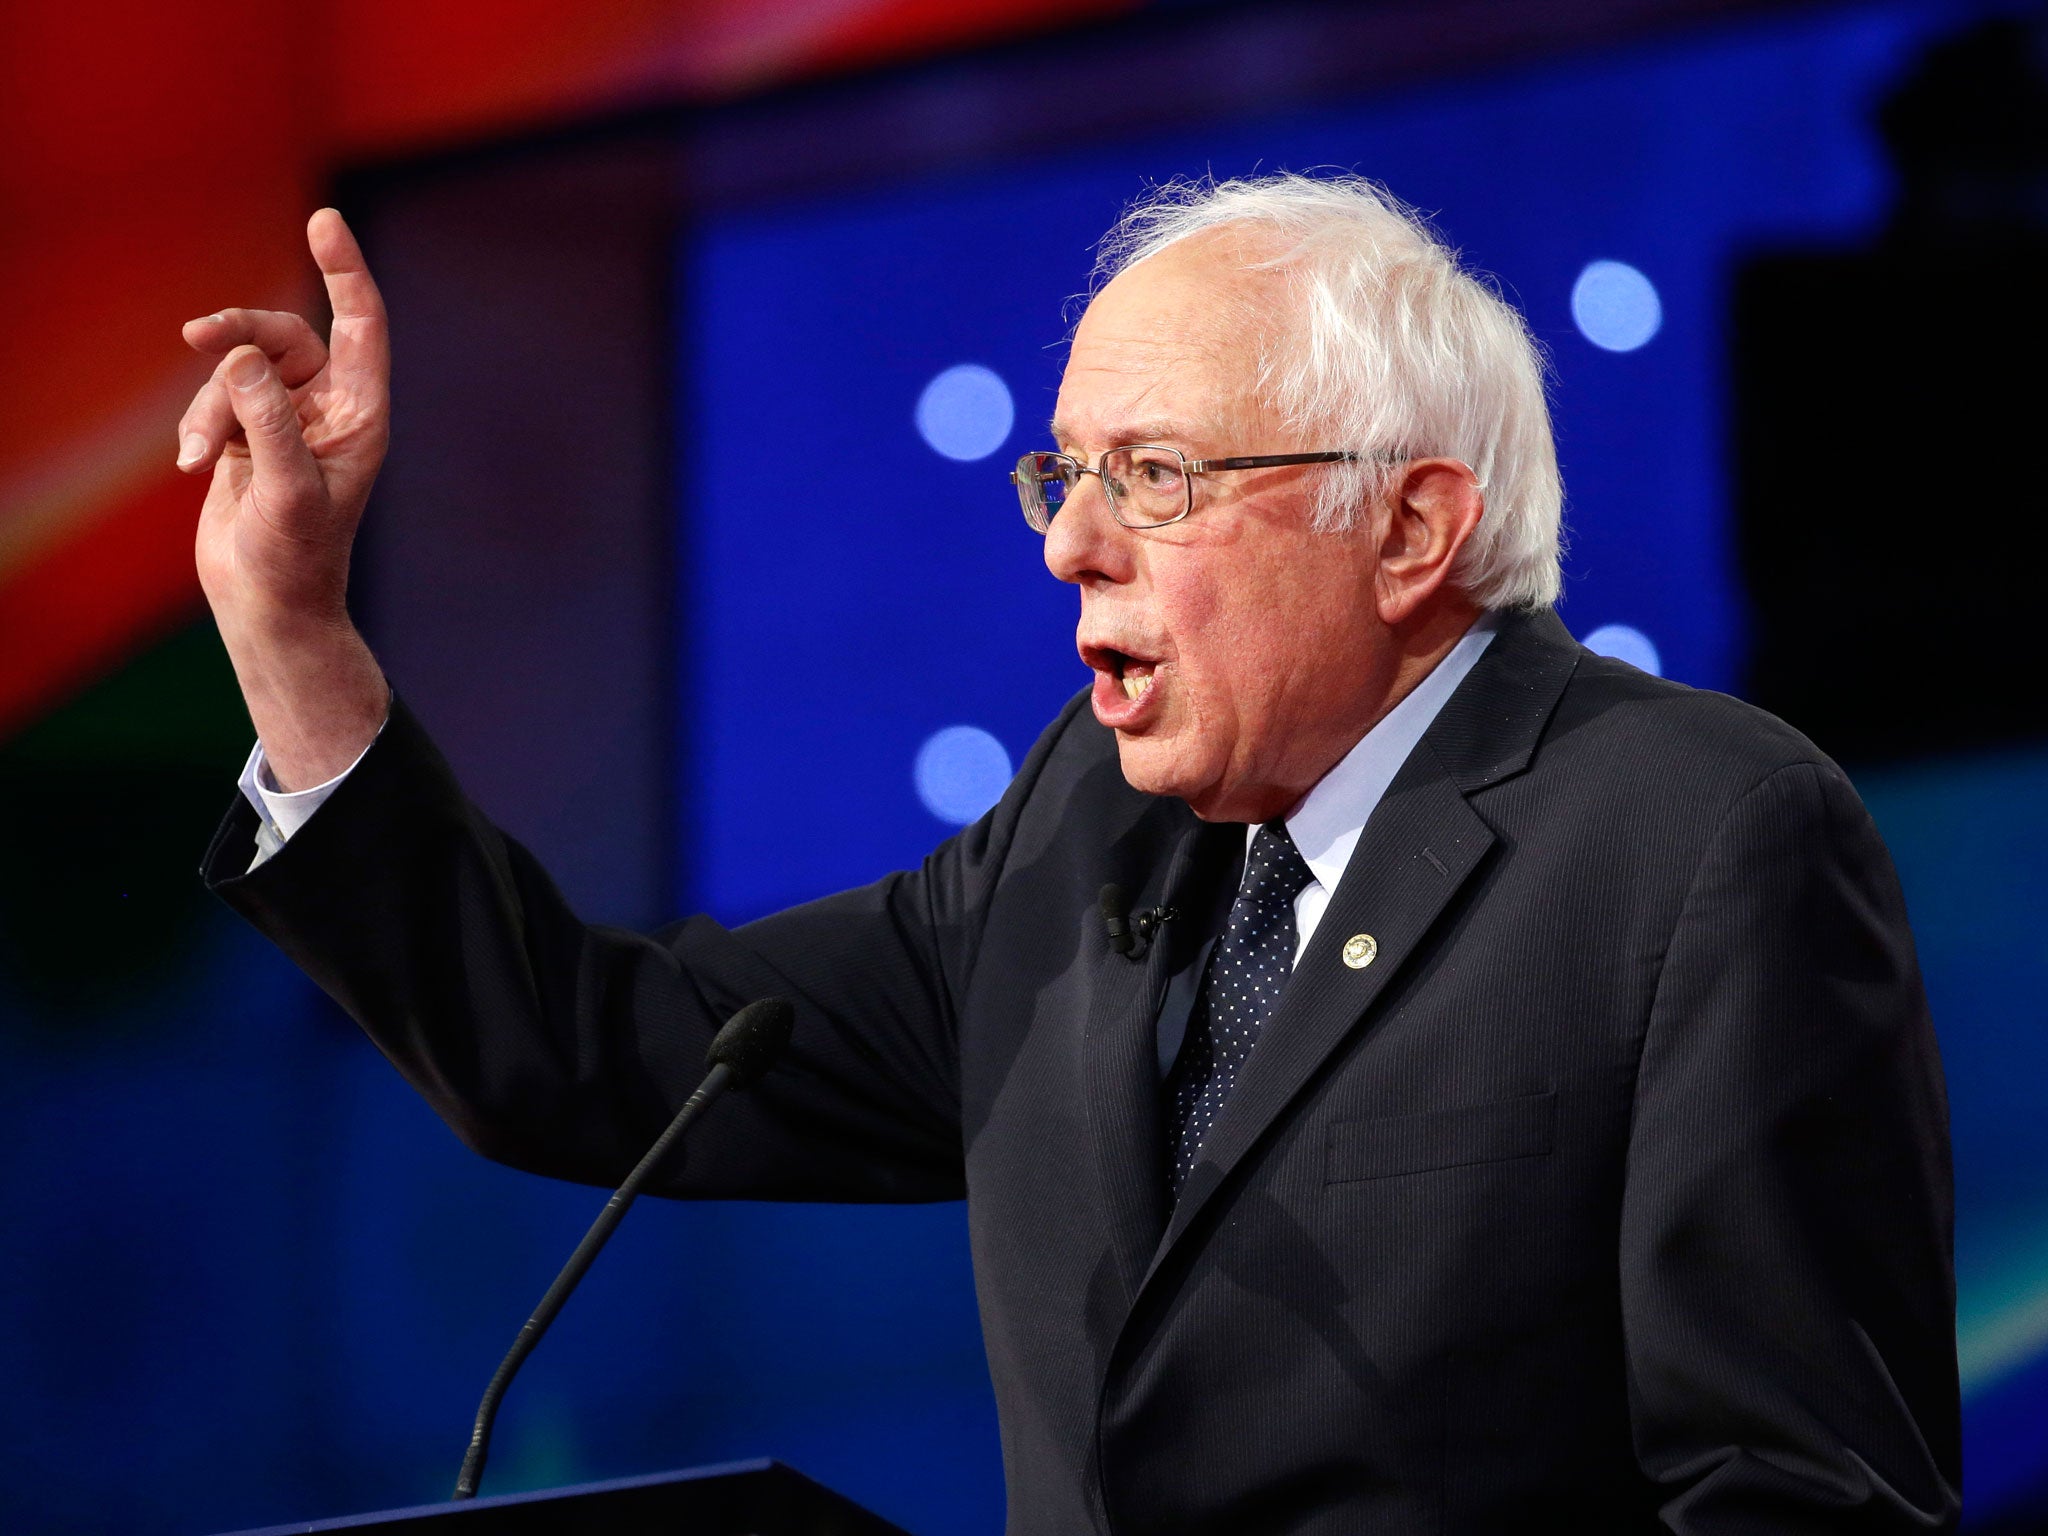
[1325,826]
[281,812]
[1327,823]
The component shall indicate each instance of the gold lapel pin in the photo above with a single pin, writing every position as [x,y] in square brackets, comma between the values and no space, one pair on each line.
[1360,950]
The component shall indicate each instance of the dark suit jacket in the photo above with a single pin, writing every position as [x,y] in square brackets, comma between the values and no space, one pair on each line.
[1615,1188]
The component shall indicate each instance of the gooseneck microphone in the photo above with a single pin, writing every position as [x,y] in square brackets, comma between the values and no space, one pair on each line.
[744,1049]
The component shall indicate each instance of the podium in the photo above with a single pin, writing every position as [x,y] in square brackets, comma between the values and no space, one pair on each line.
[741,1498]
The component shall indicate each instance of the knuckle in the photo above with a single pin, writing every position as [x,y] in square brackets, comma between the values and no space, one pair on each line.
[269,411]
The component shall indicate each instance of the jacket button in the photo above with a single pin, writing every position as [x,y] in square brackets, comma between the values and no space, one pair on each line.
[1360,950]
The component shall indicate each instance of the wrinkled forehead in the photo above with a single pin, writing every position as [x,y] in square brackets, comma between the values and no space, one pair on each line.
[1173,349]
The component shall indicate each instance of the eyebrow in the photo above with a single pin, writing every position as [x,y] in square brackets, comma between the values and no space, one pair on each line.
[1143,432]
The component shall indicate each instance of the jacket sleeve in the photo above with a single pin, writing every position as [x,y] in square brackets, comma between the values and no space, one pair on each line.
[564,1048]
[1787,1280]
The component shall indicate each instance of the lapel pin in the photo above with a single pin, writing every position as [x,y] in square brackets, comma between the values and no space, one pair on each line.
[1360,950]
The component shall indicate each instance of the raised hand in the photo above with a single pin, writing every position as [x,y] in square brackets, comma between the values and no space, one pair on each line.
[293,431]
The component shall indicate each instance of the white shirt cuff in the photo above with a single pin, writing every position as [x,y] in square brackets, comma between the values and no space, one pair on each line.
[281,812]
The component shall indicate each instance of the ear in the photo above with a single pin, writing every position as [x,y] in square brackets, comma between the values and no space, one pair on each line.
[1431,512]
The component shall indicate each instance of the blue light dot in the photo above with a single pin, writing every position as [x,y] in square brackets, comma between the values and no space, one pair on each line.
[966,412]
[961,771]
[1625,643]
[1615,306]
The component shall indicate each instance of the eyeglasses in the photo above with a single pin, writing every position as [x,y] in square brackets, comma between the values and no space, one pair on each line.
[1148,486]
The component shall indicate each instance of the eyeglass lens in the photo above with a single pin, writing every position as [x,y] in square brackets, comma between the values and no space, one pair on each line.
[1147,485]
[1144,485]
[1043,482]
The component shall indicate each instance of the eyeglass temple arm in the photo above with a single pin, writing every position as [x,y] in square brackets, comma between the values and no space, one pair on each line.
[1269,461]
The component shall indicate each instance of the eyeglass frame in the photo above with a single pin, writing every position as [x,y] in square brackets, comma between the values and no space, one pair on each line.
[1189,467]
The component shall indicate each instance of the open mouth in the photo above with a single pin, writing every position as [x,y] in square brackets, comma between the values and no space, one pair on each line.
[1132,675]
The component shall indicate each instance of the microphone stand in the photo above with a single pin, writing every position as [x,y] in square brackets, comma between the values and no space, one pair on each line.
[744,1049]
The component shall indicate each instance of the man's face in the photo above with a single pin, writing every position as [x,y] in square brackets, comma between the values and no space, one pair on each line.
[1237,654]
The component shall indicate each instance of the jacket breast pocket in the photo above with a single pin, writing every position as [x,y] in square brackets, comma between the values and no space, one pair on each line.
[1442,1138]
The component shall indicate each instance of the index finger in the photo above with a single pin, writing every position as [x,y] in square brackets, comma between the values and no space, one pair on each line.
[359,346]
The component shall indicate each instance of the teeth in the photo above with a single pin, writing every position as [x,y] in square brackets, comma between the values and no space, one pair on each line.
[1135,687]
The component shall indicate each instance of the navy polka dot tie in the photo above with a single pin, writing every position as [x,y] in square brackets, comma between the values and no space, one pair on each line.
[1250,965]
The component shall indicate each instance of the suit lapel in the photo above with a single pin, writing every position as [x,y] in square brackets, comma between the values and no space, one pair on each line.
[1122,1069]
[1419,848]
[1421,845]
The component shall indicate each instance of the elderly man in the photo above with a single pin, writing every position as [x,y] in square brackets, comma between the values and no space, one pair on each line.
[1407,1074]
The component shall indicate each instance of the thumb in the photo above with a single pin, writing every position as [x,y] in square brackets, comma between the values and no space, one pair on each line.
[282,463]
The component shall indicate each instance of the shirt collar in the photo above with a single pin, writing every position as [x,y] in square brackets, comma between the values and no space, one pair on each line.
[1327,824]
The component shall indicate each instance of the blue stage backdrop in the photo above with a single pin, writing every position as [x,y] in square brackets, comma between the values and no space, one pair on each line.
[870,637]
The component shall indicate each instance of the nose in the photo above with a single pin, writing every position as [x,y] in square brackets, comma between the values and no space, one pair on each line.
[1086,544]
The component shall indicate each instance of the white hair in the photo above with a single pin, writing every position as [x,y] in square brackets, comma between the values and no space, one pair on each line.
[1399,351]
